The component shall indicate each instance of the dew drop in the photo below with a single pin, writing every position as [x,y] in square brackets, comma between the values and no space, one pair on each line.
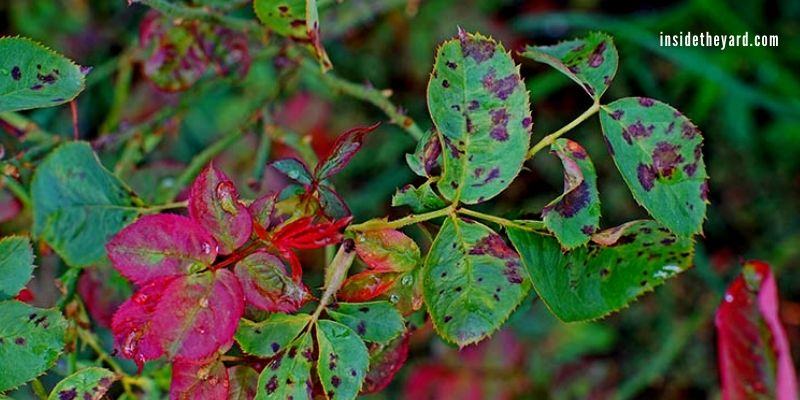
[226,193]
[139,298]
[729,298]
[394,298]
[407,280]
[206,247]
[204,302]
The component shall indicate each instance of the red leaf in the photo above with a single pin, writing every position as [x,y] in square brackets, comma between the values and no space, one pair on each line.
[102,290]
[345,147]
[161,245]
[388,250]
[25,295]
[199,381]
[366,285]
[214,203]
[304,234]
[754,355]
[267,286]
[384,362]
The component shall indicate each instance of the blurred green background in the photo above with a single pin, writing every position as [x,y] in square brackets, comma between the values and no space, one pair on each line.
[746,100]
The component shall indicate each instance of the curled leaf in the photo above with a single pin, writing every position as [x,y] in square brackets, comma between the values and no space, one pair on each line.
[343,150]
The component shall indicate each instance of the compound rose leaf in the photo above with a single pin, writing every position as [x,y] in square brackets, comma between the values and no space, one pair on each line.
[591,61]
[481,111]
[294,169]
[472,281]
[343,150]
[593,281]
[377,321]
[755,360]
[243,382]
[288,375]
[161,245]
[267,286]
[387,250]
[659,153]
[214,203]
[272,335]
[343,360]
[385,360]
[90,383]
[575,215]
[16,265]
[33,76]
[207,381]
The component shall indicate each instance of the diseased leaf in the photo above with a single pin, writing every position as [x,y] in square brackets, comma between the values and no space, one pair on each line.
[384,362]
[294,169]
[343,150]
[659,153]
[312,31]
[174,59]
[271,336]
[214,203]
[591,61]
[78,205]
[161,245]
[387,250]
[755,360]
[472,281]
[31,339]
[288,375]
[263,211]
[343,360]
[16,265]
[243,381]
[421,199]
[428,155]
[267,285]
[135,335]
[481,110]
[33,76]
[575,215]
[90,383]
[375,321]
[199,381]
[591,282]
[403,290]
[284,17]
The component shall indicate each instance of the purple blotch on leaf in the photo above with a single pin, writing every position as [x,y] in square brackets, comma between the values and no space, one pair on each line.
[573,201]
[68,394]
[666,157]
[646,176]
[476,48]
[16,74]
[500,120]
[596,58]
[646,102]
[502,88]
[635,131]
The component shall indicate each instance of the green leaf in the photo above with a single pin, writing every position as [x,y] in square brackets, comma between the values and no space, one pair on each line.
[659,153]
[294,169]
[375,321]
[89,383]
[271,336]
[78,205]
[472,281]
[591,61]
[288,375]
[427,156]
[419,199]
[284,17]
[481,110]
[33,76]
[574,215]
[31,339]
[16,265]
[343,360]
[591,282]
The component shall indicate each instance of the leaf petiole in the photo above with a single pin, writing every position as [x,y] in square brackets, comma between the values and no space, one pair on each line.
[549,139]
[531,226]
[167,206]
[377,224]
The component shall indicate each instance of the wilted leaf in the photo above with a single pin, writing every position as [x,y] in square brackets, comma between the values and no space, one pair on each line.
[387,250]
[343,150]
[481,110]
[271,336]
[591,282]
[343,360]
[267,285]
[472,281]
[214,203]
[78,205]
[373,321]
[575,215]
[199,381]
[428,155]
[288,375]
[16,265]
[659,153]
[174,59]
[421,199]
[87,384]
[591,61]
[33,76]
[755,360]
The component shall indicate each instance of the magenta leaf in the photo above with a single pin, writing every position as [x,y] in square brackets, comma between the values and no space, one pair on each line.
[263,210]
[208,381]
[345,147]
[161,245]
[267,285]
[754,356]
[384,362]
[214,203]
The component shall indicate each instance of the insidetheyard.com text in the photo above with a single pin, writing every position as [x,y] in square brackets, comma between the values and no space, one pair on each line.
[706,39]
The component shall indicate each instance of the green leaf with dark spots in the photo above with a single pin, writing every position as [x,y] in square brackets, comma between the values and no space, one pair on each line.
[659,153]
[591,61]
[419,199]
[16,265]
[31,340]
[88,384]
[284,17]
[288,375]
[33,76]
[427,156]
[621,264]
[481,110]
[575,215]
[375,321]
[472,281]
[271,336]
[343,360]
[78,205]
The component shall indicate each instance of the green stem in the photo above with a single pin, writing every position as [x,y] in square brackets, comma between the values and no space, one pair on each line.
[531,226]
[369,95]
[180,11]
[18,191]
[335,274]
[549,139]
[377,224]
[90,340]
[167,206]
[39,389]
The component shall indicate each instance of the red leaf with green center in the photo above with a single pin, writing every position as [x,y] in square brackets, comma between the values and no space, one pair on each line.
[345,147]
[161,245]
[214,203]
[207,381]
[384,362]
[367,285]
[388,250]
[267,286]
[755,361]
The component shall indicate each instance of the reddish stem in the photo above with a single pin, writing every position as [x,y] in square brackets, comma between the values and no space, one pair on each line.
[237,256]
[73,106]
